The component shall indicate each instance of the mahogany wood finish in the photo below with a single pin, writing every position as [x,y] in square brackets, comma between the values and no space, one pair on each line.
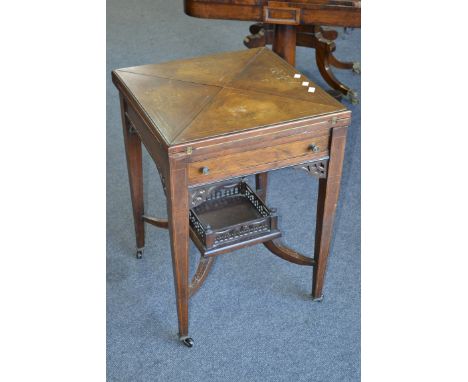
[328,193]
[208,120]
[325,59]
[276,246]
[279,249]
[204,264]
[263,34]
[229,215]
[285,24]
[284,42]
[316,12]
[261,182]
[236,164]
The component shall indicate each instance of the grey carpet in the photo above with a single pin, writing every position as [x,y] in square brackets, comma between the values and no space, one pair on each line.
[253,319]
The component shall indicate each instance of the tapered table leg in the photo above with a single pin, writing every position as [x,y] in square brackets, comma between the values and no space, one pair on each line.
[178,212]
[328,193]
[324,58]
[133,152]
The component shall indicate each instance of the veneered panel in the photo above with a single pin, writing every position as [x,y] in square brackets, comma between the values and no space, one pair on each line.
[235,110]
[171,104]
[216,69]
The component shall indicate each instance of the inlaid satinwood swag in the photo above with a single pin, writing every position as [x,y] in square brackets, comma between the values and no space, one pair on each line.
[209,122]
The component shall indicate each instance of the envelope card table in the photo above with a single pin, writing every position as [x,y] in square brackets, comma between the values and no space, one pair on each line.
[210,122]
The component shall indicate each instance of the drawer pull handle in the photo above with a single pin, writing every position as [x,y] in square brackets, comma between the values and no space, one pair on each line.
[205,170]
[314,148]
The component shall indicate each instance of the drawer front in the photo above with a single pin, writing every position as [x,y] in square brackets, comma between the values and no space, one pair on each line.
[282,15]
[258,160]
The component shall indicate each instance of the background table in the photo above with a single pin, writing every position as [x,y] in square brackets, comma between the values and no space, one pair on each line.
[287,24]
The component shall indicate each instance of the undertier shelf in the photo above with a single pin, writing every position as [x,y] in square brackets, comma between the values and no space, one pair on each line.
[228,216]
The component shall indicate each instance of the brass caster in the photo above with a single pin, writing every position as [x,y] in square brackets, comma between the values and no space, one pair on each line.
[139,253]
[317,299]
[356,67]
[353,97]
[187,341]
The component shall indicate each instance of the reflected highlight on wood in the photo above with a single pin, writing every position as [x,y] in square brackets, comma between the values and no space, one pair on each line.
[211,120]
[287,24]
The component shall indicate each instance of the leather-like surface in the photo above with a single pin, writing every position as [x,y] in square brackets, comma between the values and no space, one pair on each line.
[221,94]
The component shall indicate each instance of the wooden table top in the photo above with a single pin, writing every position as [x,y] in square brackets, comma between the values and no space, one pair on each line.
[222,94]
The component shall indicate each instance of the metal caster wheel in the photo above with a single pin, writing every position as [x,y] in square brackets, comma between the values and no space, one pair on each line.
[187,341]
[356,68]
[318,299]
[139,253]
[353,97]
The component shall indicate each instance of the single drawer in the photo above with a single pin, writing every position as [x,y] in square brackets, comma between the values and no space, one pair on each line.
[258,160]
